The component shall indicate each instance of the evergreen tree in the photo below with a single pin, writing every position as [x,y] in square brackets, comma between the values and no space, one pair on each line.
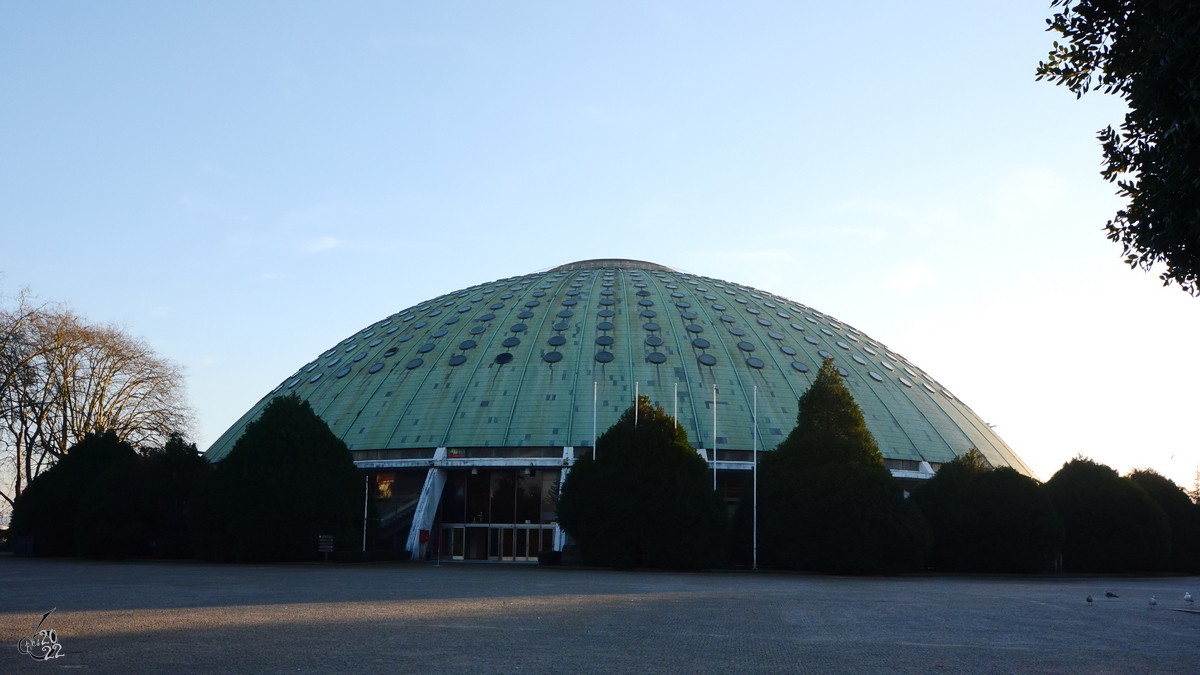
[106,500]
[49,509]
[287,480]
[645,498]
[1183,517]
[988,520]
[141,508]
[1111,524]
[826,500]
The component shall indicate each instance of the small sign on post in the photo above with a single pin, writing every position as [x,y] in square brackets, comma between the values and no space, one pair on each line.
[325,544]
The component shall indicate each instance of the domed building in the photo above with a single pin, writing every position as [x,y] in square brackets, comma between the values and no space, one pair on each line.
[466,411]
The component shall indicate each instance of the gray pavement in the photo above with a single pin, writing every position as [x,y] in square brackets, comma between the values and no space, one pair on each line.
[150,617]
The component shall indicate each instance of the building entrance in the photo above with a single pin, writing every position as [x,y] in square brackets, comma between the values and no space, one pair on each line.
[466,542]
[520,542]
[501,543]
[505,515]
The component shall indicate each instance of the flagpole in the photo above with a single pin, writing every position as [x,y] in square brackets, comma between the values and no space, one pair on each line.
[595,386]
[714,455]
[675,409]
[636,396]
[755,477]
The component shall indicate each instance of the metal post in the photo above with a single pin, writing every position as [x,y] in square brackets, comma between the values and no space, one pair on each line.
[754,564]
[675,409]
[595,454]
[636,396]
[714,455]
[366,492]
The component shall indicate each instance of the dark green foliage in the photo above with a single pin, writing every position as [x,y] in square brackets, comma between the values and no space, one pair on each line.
[141,508]
[826,500]
[988,520]
[182,472]
[1111,524]
[1183,516]
[113,513]
[646,499]
[830,428]
[50,508]
[104,500]
[1148,53]
[287,480]
[741,536]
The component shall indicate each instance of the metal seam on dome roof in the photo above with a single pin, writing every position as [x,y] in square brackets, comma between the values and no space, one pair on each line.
[345,400]
[685,366]
[1002,449]
[379,383]
[521,380]
[896,422]
[952,414]
[635,323]
[733,367]
[908,394]
[417,391]
[969,439]
[788,372]
[482,362]
[591,287]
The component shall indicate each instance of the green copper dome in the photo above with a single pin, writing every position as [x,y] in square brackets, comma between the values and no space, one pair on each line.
[521,362]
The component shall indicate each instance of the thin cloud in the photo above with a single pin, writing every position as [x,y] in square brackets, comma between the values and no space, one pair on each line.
[319,244]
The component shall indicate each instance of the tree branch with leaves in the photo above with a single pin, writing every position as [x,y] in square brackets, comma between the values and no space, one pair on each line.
[1147,52]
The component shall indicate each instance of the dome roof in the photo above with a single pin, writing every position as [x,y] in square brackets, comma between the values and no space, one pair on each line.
[516,362]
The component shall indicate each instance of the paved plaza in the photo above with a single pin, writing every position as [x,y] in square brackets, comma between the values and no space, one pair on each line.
[149,617]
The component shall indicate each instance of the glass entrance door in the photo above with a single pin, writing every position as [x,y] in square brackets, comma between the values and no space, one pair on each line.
[458,540]
[519,543]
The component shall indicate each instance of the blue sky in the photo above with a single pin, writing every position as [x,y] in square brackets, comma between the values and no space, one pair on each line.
[244,185]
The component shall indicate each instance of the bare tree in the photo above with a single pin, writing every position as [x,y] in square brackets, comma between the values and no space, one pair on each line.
[62,377]
[19,352]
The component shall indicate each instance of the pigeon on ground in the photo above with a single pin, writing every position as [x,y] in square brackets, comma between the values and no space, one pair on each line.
[1110,594]
[1089,600]
[1187,597]
[1153,602]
